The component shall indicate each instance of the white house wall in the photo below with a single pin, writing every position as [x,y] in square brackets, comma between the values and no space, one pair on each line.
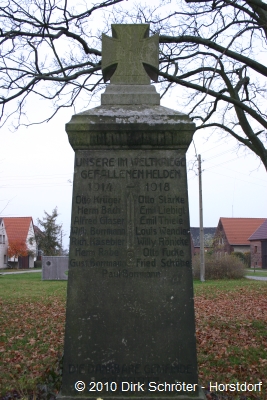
[3,246]
[32,245]
[242,249]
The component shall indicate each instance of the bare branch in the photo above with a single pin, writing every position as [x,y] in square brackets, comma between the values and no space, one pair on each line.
[215,46]
[217,95]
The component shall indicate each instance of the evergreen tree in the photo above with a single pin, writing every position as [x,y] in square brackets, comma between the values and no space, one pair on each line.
[49,238]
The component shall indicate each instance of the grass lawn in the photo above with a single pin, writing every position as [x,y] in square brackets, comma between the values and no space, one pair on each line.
[258,272]
[231,330]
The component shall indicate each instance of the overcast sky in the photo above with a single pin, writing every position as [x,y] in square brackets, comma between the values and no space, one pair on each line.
[36,173]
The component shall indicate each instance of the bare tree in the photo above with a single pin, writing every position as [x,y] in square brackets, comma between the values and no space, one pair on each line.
[219,51]
[45,51]
[216,49]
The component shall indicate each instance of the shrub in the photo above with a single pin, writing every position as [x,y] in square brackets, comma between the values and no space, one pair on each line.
[38,264]
[244,257]
[247,259]
[239,255]
[219,267]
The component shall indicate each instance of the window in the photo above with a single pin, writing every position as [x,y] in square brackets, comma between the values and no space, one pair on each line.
[0,239]
[255,249]
[4,239]
[4,259]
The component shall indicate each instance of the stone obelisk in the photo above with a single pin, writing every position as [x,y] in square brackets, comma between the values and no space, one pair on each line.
[130,328]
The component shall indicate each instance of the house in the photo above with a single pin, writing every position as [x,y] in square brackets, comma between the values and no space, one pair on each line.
[195,239]
[20,232]
[38,234]
[232,234]
[258,246]
[3,245]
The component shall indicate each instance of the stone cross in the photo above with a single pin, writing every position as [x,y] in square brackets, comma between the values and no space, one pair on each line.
[130,57]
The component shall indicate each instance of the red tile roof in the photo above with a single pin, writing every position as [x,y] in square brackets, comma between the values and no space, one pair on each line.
[17,228]
[260,233]
[238,230]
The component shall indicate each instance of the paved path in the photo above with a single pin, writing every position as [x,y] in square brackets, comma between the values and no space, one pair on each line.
[20,272]
[257,278]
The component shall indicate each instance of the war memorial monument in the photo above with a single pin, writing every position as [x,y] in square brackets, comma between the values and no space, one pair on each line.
[130,327]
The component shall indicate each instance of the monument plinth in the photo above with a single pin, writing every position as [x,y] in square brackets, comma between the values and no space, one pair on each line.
[130,330]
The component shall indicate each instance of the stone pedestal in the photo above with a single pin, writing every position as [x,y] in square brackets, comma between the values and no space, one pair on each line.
[130,330]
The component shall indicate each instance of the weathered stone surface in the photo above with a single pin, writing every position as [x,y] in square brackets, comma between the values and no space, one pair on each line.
[127,127]
[130,95]
[55,268]
[130,312]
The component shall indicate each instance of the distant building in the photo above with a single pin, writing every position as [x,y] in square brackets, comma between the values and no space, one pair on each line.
[19,229]
[232,234]
[195,239]
[3,245]
[258,246]
[38,233]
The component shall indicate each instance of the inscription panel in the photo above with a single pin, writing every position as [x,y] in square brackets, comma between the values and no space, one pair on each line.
[130,266]
[128,213]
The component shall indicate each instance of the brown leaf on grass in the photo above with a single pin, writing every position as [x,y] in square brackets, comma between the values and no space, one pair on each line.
[238,342]
[33,324]
[232,345]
